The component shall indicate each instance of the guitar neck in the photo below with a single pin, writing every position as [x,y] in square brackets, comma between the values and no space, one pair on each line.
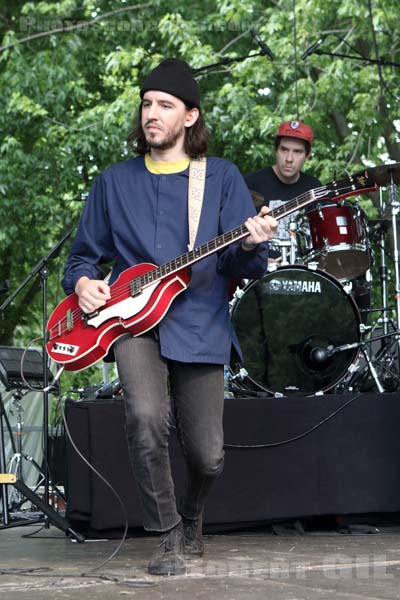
[334,192]
[228,238]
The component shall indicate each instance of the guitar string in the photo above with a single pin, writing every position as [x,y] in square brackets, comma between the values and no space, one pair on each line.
[120,291]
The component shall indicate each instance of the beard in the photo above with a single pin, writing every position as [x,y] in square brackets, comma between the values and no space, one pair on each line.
[168,142]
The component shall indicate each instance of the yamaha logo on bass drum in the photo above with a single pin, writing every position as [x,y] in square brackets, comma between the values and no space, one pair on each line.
[292,286]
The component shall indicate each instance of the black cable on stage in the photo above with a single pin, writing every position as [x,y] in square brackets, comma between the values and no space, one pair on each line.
[34,534]
[296,437]
[47,571]
[110,487]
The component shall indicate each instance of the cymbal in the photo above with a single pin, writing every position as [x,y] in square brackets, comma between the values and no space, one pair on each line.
[385,174]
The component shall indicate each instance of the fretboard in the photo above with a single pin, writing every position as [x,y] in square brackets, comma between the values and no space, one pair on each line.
[225,239]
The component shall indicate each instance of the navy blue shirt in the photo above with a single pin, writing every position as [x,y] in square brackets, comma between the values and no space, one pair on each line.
[133,216]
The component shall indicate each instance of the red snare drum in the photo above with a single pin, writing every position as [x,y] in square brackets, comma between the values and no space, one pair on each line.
[335,238]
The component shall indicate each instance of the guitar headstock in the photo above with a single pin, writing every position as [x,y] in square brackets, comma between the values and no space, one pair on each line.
[334,191]
[351,186]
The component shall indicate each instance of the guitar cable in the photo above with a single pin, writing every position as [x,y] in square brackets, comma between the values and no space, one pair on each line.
[82,457]
[110,487]
[57,376]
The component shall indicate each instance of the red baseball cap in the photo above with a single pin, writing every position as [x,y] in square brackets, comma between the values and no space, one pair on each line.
[296,129]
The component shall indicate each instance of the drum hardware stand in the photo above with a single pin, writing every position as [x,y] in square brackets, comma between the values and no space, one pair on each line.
[283,260]
[369,361]
[293,239]
[15,463]
[7,479]
[42,269]
[387,357]
[386,352]
[372,370]
[395,205]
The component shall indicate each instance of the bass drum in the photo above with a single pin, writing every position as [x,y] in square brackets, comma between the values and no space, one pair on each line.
[285,323]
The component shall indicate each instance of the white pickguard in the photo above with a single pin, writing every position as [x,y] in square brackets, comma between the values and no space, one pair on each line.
[125,309]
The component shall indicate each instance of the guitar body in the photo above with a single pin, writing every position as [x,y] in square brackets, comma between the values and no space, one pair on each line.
[78,341]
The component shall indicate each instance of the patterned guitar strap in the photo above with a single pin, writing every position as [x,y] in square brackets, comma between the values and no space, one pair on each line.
[197,178]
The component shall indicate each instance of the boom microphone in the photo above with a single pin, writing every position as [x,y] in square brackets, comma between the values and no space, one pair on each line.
[265,50]
[313,48]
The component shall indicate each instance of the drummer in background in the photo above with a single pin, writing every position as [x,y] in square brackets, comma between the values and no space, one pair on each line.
[285,179]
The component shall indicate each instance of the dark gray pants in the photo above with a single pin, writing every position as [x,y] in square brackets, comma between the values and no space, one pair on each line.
[148,382]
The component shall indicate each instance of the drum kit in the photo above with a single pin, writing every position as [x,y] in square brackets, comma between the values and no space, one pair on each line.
[309,326]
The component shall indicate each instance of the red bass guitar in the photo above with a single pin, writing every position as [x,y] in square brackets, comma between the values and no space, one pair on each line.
[142,294]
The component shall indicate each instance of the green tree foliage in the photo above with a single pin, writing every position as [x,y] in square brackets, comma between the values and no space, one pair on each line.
[70,72]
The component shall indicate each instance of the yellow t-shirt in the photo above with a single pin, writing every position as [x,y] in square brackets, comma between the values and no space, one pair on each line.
[165,168]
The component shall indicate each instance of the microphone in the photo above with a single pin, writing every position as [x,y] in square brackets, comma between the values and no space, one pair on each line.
[313,48]
[319,354]
[265,50]
[313,357]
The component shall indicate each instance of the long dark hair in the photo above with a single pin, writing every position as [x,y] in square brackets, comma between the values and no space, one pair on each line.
[196,137]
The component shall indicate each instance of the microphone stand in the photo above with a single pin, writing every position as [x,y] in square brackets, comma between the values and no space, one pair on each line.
[395,205]
[383,271]
[224,62]
[42,269]
[373,61]
[331,350]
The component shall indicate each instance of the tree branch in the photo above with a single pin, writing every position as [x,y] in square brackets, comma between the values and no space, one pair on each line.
[231,42]
[355,151]
[66,126]
[80,25]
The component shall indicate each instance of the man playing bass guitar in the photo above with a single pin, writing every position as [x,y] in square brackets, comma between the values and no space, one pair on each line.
[137,212]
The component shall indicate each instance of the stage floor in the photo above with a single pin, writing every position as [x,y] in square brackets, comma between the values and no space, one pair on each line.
[254,564]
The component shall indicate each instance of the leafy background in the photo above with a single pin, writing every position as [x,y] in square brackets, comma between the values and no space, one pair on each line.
[70,73]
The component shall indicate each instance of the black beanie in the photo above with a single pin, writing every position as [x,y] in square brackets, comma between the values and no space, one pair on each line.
[173,76]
